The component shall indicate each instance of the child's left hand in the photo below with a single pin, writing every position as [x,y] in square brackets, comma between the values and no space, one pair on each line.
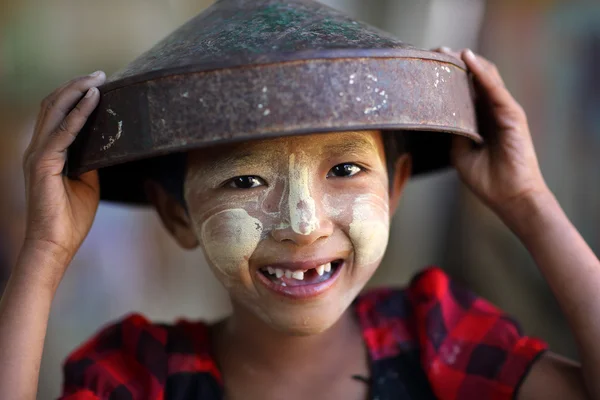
[504,171]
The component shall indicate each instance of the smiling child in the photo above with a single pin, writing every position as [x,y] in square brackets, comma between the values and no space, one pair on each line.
[294,227]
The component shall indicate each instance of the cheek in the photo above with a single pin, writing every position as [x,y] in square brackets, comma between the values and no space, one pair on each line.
[229,238]
[369,230]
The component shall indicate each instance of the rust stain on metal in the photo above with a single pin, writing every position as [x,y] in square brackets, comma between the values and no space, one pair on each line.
[256,69]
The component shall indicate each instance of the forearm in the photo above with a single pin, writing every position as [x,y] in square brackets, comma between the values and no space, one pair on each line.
[24,313]
[570,268]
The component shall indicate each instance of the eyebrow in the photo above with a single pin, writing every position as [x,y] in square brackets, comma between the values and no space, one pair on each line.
[237,160]
[352,145]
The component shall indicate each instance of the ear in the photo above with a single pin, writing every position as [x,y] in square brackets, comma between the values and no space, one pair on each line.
[402,173]
[173,215]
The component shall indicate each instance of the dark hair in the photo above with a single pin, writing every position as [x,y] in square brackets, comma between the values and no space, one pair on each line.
[170,170]
[394,146]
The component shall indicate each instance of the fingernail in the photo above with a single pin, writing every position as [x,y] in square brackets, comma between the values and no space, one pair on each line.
[91,92]
[446,49]
[469,53]
[95,74]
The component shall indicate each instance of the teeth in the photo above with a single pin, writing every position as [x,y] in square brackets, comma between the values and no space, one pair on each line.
[299,275]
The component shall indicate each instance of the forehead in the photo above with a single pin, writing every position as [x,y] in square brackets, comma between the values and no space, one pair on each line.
[351,142]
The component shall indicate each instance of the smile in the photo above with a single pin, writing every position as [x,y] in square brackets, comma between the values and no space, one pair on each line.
[302,280]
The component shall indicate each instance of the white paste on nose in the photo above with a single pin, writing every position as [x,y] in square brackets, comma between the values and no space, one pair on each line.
[369,232]
[303,216]
[230,237]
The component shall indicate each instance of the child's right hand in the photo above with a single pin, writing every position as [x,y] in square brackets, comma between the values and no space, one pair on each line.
[60,210]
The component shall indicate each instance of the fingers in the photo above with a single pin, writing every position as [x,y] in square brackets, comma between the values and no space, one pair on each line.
[487,75]
[448,51]
[478,65]
[59,103]
[490,82]
[62,116]
[65,133]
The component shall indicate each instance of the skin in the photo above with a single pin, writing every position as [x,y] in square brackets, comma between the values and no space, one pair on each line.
[303,213]
[267,348]
[285,219]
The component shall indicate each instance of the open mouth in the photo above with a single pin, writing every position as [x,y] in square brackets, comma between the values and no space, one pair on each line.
[300,282]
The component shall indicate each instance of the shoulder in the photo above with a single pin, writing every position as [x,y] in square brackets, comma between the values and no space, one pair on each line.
[466,345]
[392,318]
[136,356]
[432,301]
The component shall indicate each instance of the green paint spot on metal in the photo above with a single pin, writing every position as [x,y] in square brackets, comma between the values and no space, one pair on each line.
[248,69]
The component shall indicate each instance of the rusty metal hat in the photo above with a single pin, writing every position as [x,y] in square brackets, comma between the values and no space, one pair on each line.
[251,69]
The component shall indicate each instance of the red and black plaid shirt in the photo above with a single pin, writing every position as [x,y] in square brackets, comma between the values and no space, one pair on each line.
[430,340]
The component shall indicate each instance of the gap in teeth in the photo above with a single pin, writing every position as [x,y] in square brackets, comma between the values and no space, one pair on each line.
[299,274]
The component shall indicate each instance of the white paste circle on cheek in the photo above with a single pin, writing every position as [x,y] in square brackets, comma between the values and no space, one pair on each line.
[229,238]
[369,232]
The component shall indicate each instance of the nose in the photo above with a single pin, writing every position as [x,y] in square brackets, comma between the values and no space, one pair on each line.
[303,224]
[306,237]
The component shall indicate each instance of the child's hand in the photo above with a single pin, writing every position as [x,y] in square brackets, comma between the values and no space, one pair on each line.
[504,171]
[60,210]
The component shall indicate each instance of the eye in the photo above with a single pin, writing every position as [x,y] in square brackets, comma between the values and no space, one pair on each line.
[245,182]
[344,170]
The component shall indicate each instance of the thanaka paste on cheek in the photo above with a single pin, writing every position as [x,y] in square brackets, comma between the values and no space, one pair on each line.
[369,230]
[303,218]
[367,219]
[230,237]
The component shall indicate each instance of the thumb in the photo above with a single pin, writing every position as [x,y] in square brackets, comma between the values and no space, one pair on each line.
[91,179]
[85,186]
[461,148]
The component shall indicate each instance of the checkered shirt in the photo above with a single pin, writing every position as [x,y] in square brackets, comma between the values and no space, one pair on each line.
[431,340]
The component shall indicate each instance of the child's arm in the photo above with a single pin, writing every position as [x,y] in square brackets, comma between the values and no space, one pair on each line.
[60,212]
[505,175]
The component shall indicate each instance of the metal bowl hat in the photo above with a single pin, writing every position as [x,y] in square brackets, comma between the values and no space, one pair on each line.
[254,69]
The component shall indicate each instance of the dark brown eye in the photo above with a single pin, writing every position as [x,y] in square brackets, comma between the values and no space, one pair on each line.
[344,170]
[245,182]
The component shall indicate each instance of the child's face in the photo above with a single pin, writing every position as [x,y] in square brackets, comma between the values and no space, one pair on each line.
[315,207]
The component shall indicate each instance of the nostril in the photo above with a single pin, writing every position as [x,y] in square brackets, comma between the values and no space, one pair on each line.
[304,233]
[281,235]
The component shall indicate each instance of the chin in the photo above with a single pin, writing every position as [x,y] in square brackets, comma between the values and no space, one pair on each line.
[303,326]
[306,319]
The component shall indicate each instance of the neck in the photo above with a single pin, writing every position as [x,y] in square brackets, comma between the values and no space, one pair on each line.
[244,339]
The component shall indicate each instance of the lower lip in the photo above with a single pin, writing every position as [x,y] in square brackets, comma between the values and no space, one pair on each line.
[302,291]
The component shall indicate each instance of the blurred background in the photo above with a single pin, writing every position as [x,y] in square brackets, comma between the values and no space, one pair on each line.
[547,50]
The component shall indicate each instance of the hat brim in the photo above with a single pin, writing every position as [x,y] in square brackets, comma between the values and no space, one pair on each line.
[423,92]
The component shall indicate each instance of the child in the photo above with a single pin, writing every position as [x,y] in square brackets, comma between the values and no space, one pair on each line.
[294,227]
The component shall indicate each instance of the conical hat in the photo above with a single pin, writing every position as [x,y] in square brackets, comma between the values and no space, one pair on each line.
[251,69]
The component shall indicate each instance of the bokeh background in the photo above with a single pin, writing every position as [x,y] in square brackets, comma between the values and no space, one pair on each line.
[547,50]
